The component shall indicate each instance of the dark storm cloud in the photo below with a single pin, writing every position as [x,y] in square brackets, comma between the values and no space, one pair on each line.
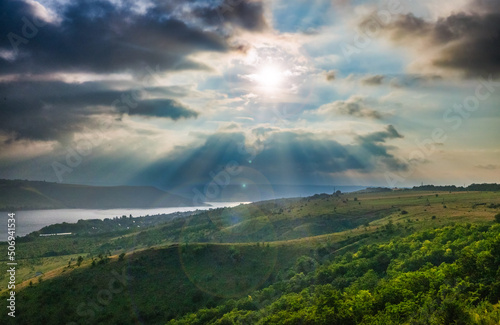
[101,37]
[281,156]
[175,91]
[168,108]
[243,13]
[47,110]
[372,146]
[54,110]
[465,41]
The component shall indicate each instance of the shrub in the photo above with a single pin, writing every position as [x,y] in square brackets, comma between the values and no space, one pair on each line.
[305,264]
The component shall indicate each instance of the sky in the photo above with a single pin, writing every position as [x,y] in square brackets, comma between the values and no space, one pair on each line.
[178,94]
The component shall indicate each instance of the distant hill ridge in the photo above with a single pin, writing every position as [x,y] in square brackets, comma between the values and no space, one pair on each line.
[493,187]
[26,195]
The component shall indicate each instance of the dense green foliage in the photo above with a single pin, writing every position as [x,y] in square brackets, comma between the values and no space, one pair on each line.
[152,286]
[443,276]
[449,275]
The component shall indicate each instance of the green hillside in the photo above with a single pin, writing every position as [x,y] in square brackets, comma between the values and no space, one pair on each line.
[443,276]
[405,257]
[28,195]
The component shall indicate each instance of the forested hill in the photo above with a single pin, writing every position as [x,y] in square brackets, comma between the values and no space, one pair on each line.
[443,276]
[26,195]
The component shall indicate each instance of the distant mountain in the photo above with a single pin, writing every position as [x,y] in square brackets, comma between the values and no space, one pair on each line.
[26,195]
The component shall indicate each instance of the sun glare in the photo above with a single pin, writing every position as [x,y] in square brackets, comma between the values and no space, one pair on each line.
[269,77]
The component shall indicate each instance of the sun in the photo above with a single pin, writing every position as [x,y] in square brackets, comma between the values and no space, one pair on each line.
[269,77]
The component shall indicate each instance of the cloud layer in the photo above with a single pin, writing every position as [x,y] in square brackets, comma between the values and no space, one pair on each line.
[467,40]
[98,36]
[174,90]
[283,157]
